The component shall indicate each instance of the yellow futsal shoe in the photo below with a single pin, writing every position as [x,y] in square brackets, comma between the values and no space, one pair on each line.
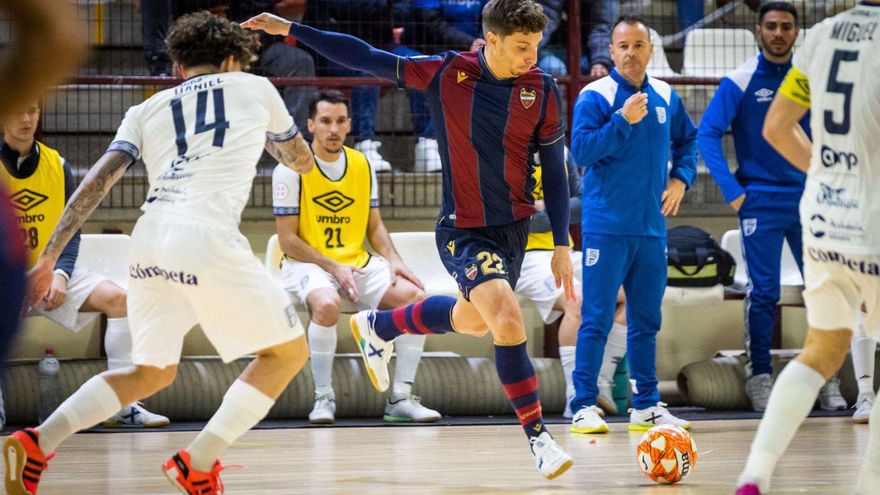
[589,420]
[375,352]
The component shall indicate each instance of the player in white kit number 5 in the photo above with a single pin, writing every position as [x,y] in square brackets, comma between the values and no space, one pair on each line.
[189,264]
[834,76]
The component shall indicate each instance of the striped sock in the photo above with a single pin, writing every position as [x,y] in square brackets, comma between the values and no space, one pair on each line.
[432,316]
[521,386]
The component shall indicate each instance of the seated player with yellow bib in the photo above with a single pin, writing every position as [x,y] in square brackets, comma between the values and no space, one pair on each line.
[322,219]
[40,183]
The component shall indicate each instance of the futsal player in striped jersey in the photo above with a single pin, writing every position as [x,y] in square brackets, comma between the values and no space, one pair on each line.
[493,110]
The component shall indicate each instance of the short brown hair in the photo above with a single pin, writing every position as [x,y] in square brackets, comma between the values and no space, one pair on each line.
[505,17]
[203,38]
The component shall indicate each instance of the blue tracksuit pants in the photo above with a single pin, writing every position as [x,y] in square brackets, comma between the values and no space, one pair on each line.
[639,264]
[766,220]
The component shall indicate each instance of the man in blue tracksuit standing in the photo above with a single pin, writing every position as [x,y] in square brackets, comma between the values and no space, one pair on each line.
[622,130]
[765,190]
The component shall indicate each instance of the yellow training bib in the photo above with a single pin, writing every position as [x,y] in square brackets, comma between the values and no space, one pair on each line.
[38,200]
[333,215]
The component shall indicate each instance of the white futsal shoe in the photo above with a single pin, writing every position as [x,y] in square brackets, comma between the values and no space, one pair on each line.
[550,459]
[863,407]
[408,409]
[375,352]
[135,416]
[645,419]
[830,398]
[589,420]
[324,410]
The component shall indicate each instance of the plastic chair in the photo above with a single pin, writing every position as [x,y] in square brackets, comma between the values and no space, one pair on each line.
[659,66]
[715,52]
[106,254]
[419,252]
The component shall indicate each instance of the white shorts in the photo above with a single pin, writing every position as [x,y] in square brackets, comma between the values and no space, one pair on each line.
[536,282]
[836,286]
[81,284]
[302,278]
[183,272]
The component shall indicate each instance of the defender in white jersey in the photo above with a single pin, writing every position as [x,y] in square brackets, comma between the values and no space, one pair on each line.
[189,264]
[835,76]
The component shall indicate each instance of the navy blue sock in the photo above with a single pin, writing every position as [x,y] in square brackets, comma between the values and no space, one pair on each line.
[517,375]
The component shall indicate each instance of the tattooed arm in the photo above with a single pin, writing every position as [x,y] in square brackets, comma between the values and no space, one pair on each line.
[293,153]
[106,172]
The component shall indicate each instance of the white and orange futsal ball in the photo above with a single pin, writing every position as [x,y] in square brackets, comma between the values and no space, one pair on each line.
[666,454]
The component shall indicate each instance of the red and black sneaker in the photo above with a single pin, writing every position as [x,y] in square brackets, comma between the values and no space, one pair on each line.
[190,481]
[25,462]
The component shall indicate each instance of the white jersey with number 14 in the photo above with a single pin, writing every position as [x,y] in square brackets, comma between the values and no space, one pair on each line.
[201,142]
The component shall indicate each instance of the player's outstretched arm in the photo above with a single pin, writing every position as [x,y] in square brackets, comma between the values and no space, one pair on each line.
[341,48]
[293,153]
[782,124]
[101,177]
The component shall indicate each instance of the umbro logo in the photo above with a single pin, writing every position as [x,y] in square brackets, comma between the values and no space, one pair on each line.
[26,199]
[764,95]
[334,201]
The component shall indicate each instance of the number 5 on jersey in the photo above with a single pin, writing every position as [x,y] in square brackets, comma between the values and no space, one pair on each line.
[219,125]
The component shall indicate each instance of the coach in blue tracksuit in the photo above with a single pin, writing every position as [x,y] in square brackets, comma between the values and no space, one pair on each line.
[765,189]
[621,134]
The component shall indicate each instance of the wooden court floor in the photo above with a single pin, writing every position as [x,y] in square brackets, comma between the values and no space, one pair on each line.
[823,459]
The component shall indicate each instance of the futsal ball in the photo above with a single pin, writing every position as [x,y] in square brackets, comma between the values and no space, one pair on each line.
[666,454]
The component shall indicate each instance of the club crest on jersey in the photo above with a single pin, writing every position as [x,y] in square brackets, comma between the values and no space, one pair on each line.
[470,271]
[750,225]
[592,256]
[280,191]
[527,97]
[661,114]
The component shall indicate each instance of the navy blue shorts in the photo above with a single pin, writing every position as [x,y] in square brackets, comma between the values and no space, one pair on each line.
[473,256]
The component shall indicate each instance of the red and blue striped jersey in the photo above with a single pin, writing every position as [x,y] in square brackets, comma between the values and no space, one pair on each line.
[488,130]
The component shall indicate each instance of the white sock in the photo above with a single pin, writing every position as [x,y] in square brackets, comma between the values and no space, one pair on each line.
[95,401]
[863,349]
[117,343]
[409,352]
[566,358]
[869,476]
[615,349]
[242,408]
[322,345]
[792,398]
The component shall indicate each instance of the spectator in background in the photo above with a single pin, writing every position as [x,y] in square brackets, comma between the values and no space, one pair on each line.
[596,19]
[41,183]
[155,16]
[435,26]
[688,12]
[627,127]
[375,21]
[279,56]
